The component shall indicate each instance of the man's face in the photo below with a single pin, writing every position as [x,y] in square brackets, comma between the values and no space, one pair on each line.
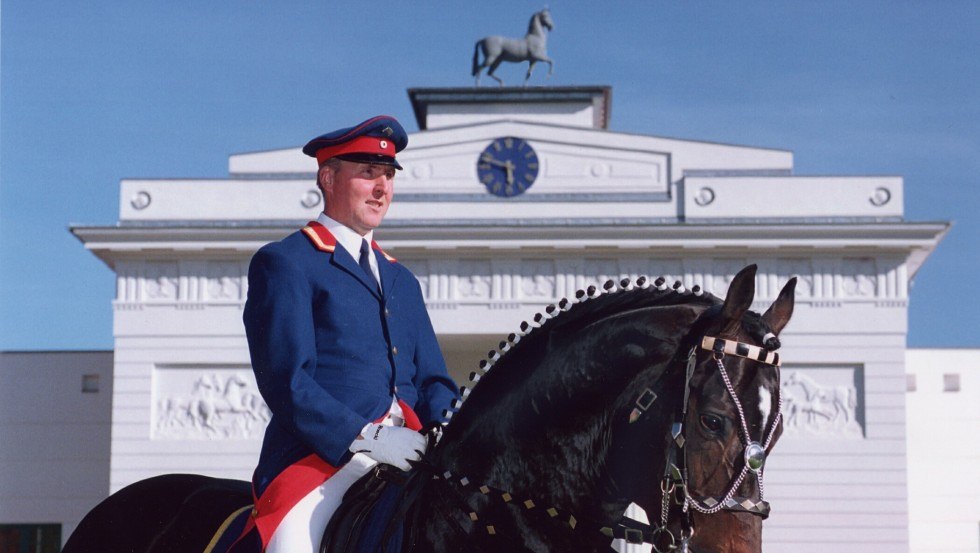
[357,194]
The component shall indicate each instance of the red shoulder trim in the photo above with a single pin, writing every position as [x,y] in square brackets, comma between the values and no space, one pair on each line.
[320,236]
[324,241]
[382,252]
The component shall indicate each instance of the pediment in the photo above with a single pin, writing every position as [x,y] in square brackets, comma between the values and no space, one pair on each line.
[573,160]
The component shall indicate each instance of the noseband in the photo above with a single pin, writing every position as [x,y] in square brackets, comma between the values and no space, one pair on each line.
[675,481]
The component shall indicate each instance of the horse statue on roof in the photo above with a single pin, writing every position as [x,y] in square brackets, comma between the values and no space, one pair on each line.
[637,392]
[532,49]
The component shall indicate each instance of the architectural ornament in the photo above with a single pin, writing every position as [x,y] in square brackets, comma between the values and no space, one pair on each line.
[532,49]
[811,408]
[218,406]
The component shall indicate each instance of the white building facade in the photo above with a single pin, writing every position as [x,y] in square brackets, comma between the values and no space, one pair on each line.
[601,205]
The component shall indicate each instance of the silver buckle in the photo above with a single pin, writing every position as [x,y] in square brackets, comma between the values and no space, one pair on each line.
[634,536]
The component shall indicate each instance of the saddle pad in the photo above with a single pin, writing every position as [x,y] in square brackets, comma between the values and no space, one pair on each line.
[361,521]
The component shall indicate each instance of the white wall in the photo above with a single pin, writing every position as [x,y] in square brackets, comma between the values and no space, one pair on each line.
[943,451]
[54,439]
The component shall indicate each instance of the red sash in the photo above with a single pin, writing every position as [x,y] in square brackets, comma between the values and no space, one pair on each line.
[295,482]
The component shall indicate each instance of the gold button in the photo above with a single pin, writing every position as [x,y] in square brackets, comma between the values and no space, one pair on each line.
[394,350]
[255,511]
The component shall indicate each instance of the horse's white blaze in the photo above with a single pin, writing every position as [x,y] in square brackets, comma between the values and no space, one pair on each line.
[765,405]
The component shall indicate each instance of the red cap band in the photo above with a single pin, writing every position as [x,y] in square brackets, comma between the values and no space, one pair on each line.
[359,145]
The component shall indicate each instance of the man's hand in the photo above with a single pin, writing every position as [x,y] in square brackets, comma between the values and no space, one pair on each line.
[392,445]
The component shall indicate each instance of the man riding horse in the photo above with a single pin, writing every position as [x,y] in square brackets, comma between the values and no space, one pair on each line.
[635,392]
[342,347]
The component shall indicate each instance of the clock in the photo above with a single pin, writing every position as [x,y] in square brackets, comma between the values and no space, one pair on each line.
[507,167]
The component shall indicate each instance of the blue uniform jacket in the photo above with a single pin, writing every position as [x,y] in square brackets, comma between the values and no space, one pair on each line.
[328,352]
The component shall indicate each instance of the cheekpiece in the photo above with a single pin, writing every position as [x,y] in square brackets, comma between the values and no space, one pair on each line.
[376,140]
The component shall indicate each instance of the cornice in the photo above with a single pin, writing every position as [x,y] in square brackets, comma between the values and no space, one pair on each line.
[562,238]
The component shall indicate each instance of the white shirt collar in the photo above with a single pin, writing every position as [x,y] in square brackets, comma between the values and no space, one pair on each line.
[350,240]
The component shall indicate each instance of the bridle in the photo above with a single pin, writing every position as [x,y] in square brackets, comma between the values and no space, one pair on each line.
[675,481]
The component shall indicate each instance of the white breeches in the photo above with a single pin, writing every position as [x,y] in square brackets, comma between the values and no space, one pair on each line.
[302,528]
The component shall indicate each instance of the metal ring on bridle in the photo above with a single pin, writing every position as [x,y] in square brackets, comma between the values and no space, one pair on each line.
[657,533]
[689,536]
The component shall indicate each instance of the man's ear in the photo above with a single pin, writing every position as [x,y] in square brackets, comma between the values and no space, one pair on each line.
[324,178]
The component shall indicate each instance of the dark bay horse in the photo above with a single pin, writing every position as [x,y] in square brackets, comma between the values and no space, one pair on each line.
[532,49]
[663,397]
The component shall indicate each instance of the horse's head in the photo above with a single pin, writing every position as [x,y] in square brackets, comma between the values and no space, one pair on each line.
[544,17]
[732,420]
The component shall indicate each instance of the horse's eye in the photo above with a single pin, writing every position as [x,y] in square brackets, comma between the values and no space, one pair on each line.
[712,423]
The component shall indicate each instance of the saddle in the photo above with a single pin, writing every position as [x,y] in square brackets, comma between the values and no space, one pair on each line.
[369,519]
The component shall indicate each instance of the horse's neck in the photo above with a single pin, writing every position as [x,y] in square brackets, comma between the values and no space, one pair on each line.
[638,457]
[556,424]
[543,422]
[534,27]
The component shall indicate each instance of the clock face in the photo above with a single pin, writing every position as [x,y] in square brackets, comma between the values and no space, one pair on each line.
[507,167]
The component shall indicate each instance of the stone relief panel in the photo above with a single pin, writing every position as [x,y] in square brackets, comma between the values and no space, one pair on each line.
[823,402]
[670,269]
[194,283]
[800,268]
[859,278]
[207,403]
[635,268]
[474,281]
[538,279]
[160,281]
[597,271]
[225,281]
[723,271]
[547,280]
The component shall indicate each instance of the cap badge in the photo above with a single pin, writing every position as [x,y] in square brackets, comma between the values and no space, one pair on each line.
[383,144]
[387,131]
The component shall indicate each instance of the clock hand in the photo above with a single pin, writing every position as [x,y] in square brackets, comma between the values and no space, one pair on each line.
[510,171]
[487,158]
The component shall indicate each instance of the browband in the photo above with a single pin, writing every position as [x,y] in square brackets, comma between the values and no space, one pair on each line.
[740,349]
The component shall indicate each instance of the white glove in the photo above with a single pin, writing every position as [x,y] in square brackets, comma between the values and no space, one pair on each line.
[392,445]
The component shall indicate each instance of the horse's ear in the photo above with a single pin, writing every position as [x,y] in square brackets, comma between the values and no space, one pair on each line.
[781,310]
[740,294]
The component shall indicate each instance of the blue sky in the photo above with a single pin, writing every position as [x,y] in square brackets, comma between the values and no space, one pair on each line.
[93,92]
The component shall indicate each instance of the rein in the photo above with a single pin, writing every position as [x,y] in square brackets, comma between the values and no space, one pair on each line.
[675,478]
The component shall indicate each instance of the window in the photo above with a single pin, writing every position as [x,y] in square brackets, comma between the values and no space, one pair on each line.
[90,385]
[951,382]
[30,538]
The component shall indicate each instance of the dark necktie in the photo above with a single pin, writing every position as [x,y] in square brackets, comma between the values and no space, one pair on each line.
[365,263]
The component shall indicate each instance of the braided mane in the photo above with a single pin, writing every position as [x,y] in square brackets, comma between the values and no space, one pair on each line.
[507,367]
